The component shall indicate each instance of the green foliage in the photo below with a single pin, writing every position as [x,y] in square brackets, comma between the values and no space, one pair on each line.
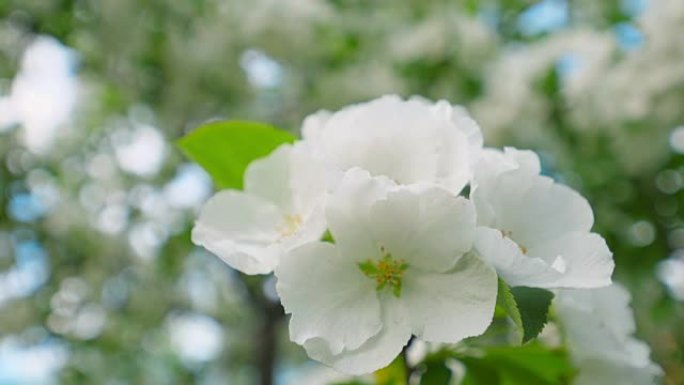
[506,301]
[523,365]
[479,372]
[224,149]
[352,382]
[527,307]
[394,374]
[436,373]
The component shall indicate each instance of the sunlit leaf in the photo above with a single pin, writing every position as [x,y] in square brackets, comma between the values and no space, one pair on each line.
[225,149]
[393,374]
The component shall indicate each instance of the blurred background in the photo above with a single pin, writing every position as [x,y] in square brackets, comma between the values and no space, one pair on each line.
[99,283]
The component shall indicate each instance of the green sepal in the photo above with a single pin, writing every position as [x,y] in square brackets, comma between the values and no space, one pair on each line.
[368,268]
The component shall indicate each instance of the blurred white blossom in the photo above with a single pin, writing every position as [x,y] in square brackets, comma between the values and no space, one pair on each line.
[599,326]
[43,94]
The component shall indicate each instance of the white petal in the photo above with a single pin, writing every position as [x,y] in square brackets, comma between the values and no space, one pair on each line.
[328,296]
[292,178]
[428,227]
[347,213]
[491,165]
[386,137]
[449,307]
[408,141]
[314,123]
[597,322]
[523,159]
[494,162]
[241,230]
[454,164]
[609,306]
[600,371]
[599,325]
[269,178]
[532,208]
[516,268]
[312,228]
[377,352]
[589,262]
[310,180]
[457,150]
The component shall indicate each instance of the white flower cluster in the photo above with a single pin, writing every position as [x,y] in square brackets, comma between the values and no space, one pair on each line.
[597,86]
[409,252]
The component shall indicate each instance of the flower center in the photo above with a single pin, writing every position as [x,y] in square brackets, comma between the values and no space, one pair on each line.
[387,272]
[291,224]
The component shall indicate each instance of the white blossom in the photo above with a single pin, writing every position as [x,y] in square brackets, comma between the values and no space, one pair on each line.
[599,326]
[399,266]
[533,231]
[43,95]
[280,208]
[408,141]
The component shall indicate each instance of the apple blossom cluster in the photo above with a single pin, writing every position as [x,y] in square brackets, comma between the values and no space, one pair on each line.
[390,220]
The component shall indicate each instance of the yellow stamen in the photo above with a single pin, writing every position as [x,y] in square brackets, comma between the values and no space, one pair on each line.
[386,272]
[292,223]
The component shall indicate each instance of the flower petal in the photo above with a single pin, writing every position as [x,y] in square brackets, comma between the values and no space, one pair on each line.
[599,325]
[491,164]
[428,227]
[386,136]
[347,213]
[377,352]
[588,261]
[601,371]
[328,296]
[269,178]
[448,307]
[314,123]
[534,209]
[461,146]
[409,141]
[310,180]
[240,229]
[524,159]
[516,268]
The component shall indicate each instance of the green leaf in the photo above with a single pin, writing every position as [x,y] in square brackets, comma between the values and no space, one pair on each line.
[527,307]
[224,149]
[393,374]
[479,372]
[436,373]
[535,363]
[533,304]
[506,301]
[532,364]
